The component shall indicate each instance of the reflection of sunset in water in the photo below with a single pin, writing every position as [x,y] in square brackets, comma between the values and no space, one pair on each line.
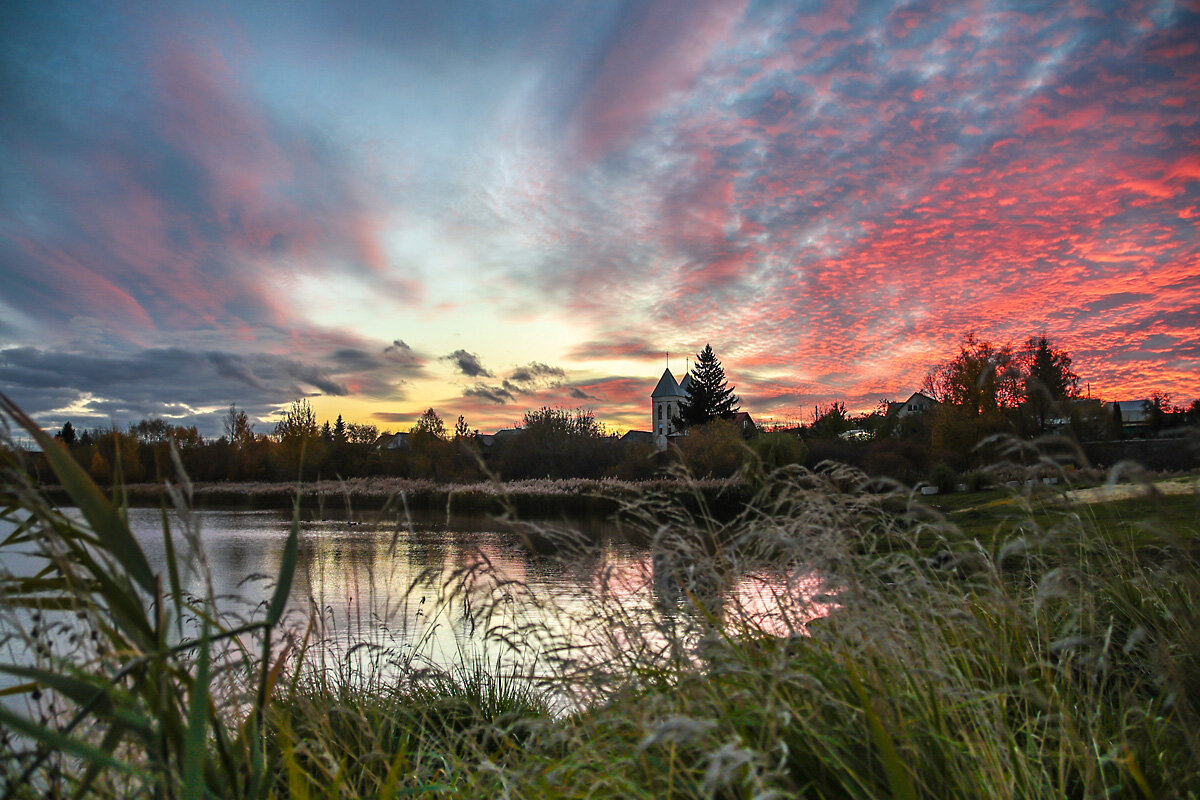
[440,593]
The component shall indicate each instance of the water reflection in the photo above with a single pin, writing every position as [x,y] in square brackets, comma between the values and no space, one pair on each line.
[429,590]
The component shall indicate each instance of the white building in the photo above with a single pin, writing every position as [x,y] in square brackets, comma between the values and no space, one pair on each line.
[664,407]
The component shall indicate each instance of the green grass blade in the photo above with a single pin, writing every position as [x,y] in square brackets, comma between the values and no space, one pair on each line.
[58,741]
[78,691]
[195,737]
[899,780]
[108,744]
[172,571]
[388,791]
[113,532]
[287,569]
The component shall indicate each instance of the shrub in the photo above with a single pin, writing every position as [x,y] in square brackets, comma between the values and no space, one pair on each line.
[712,450]
[944,478]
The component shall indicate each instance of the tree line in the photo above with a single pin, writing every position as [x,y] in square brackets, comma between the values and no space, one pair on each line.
[547,443]
[986,389]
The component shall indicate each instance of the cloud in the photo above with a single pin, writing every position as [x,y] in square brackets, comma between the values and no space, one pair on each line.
[468,364]
[533,376]
[179,201]
[492,394]
[834,191]
[632,349]
[177,382]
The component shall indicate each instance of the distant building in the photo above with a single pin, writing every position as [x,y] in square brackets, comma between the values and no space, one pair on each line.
[917,403]
[489,439]
[664,407]
[745,423]
[1135,417]
[392,441]
[638,437]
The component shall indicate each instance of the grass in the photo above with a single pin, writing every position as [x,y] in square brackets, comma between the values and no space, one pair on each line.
[1018,648]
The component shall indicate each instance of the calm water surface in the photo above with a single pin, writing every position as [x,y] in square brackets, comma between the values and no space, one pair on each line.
[433,589]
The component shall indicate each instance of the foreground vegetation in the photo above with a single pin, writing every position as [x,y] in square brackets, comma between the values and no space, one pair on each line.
[1057,657]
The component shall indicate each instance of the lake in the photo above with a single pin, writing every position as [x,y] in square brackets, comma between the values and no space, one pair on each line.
[432,591]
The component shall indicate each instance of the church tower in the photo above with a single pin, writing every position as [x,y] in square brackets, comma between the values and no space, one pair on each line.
[664,407]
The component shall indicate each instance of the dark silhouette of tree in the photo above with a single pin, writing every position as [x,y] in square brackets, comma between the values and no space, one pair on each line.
[152,431]
[1158,410]
[429,424]
[982,378]
[238,429]
[709,395]
[461,429]
[339,430]
[67,434]
[299,422]
[829,420]
[430,453]
[1047,380]
[557,443]
[363,433]
[299,441]
[327,433]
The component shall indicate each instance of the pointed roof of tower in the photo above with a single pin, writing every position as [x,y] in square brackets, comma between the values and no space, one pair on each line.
[667,387]
[685,385]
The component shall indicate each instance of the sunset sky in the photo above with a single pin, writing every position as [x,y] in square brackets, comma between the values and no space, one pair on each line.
[486,207]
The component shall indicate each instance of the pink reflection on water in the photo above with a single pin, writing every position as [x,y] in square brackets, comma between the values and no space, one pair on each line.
[779,605]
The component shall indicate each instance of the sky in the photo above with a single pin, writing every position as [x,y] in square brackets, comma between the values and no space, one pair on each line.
[488,207]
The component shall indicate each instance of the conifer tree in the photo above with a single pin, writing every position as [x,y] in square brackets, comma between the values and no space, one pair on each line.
[709,395]
[67,434]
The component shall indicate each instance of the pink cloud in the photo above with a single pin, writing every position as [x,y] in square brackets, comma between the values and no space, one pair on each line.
[661,52]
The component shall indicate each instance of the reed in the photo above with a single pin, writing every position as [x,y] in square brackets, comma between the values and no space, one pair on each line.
[885,653]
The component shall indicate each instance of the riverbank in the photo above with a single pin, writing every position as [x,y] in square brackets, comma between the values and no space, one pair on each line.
[529,498]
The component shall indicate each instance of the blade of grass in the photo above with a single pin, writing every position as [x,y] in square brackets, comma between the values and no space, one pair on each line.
[195,737]
[58,741]
[100,513]
[899,780]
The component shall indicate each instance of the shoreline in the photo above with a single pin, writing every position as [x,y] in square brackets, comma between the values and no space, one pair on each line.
[536,497]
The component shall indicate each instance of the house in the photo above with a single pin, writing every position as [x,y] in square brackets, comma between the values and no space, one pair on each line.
[638,437]
[489,439]
[1134,416]
[745,423]
[392,441]
[917,403]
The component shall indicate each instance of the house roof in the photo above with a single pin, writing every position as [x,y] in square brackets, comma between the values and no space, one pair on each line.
[915,395]
[894,408]
[667,387]
[1132,411]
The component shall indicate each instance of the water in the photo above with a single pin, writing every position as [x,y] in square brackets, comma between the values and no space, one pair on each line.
[438,592]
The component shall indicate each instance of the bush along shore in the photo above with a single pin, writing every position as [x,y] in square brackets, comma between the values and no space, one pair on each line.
[1059,659]
[531,497]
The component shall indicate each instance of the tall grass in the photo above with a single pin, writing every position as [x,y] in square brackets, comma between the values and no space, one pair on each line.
[835,639]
